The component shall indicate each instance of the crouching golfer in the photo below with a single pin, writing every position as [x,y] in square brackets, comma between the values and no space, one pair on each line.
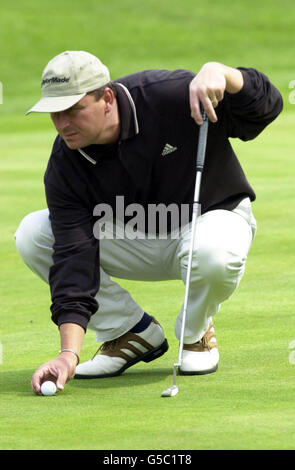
[132,143]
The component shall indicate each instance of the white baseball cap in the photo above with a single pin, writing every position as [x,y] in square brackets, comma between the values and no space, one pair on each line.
[67,78]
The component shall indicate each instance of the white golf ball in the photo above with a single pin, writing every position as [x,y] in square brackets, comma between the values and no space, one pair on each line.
[48,388]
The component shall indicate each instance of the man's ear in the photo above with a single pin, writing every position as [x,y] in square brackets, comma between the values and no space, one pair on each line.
[108,96]
[109,99]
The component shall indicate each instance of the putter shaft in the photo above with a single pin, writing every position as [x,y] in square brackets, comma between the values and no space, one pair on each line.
[196,205]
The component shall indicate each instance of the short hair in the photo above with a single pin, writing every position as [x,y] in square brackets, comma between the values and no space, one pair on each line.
[99,91]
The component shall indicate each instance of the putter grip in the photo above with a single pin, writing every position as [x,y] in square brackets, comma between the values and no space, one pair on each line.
[202,142]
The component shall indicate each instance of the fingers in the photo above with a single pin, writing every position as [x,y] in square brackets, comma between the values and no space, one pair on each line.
[207,90]
[58,370]
[41,375]
[208,105]
[62,378]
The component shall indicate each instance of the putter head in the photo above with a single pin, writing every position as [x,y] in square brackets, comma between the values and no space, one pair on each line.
[170,392]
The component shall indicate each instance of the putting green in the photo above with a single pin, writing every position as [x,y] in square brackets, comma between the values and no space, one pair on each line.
[249,402]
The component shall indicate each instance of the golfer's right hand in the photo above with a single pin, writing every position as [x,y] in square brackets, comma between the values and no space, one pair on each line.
[58,370]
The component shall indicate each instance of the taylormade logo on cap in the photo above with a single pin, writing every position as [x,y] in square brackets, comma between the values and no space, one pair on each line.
[54,79]
[67,78]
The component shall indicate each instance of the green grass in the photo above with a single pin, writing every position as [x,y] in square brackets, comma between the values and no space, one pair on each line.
[249,402]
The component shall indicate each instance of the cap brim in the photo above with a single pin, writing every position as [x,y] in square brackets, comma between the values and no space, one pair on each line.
[55,104]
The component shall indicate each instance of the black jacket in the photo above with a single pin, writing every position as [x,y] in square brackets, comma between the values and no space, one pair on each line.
[154,111]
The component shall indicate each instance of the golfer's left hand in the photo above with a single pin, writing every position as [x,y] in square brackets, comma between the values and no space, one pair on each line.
[207,89]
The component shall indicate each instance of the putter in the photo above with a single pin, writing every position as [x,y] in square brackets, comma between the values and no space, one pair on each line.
[172,391]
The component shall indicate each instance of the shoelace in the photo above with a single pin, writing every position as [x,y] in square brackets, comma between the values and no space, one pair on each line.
[108,345]
[205,343]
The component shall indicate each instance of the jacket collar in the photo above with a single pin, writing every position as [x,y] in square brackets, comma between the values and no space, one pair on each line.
[127,111]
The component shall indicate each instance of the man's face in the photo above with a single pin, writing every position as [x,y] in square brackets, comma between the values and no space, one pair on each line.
[83,124]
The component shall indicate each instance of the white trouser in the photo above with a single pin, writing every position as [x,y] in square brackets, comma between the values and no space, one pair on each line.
[223,240]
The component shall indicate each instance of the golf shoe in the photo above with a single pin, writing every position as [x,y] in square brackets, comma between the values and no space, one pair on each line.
[117,355]
[201,357]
